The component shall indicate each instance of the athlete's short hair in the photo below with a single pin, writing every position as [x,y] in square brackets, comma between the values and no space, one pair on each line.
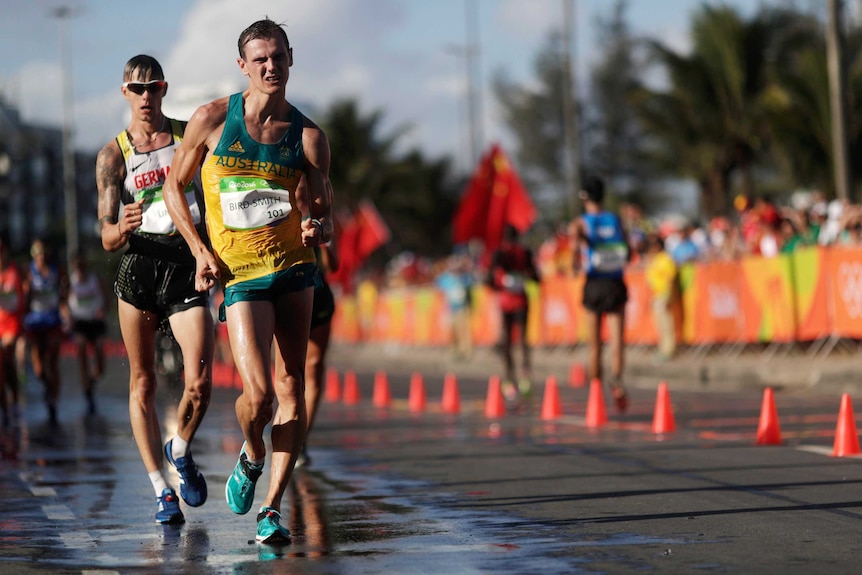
[593,189]
[262,29]
[147,67]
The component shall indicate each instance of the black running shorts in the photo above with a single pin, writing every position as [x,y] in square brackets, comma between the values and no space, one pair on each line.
[89,329]
[157,286]
[605,295]
[324,305]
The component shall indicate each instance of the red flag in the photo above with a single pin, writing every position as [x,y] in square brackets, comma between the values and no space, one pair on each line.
[346,232]
[373,231]
[495,198]
[363,233]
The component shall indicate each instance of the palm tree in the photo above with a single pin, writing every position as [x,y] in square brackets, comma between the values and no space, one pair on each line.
[416,197]
[798,109]
[712,121]
[360,154]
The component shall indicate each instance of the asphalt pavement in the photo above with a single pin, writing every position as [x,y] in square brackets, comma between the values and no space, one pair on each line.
[395,490]
[824,366]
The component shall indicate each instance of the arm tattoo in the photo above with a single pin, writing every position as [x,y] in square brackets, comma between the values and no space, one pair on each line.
[110,170]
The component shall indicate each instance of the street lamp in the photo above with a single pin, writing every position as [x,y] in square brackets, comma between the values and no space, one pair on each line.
[70,196]
[570,110]
[465,53]
[470,52]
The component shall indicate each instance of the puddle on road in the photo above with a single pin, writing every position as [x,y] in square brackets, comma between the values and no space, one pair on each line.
[359,521]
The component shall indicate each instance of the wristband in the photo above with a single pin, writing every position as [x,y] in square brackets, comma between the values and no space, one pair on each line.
[317,222]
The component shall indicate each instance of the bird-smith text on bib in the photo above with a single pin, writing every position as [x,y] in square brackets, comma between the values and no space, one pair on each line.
[249,203]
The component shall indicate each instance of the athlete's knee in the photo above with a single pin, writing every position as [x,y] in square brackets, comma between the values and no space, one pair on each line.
[198,387]
[290,387]
[142,388]
[259,402]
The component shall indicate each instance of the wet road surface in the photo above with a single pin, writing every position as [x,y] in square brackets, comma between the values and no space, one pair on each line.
[391,491]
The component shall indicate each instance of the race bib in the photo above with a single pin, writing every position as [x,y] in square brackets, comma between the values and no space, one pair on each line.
[44,301]
[514,283]
[609,258]
[156,219]
[9,301]
[85,306]
[252,203]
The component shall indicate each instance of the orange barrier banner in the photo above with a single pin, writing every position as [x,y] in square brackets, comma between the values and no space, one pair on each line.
[813,291]
[431,317]
[639,325]
[485,319]
[559,309]
[711,307]
[844,266]
[381,323]
[534,313]
[766,298]
[366,307]
[345,322]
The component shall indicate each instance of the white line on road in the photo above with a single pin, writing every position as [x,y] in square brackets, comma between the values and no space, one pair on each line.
[823,450]
[58,512]
[43,491]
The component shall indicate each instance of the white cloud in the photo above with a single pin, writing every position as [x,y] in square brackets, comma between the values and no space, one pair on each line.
[389,55]
[39,92]
[534,22]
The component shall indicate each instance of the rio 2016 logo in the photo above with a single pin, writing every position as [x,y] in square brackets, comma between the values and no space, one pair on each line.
[850,288]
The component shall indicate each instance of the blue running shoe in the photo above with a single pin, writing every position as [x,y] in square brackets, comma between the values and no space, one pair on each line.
[269,530]
[193,486]
[169,508]
[239,489]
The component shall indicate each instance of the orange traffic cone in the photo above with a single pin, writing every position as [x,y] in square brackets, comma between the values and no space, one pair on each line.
[768,431]
[332,391]
[451,398]
[577,375]
[551,408]
[381,397]
[846,438]
[416,399]
[351,388]
[662,420]
[495,405]
[597,414]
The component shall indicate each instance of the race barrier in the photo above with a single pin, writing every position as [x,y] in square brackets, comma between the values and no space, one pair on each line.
[811,294]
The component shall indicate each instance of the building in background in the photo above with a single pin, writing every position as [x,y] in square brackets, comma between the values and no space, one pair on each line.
[31,184]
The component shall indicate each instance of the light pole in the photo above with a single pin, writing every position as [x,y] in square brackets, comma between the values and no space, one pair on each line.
[466,134]
[474,94]
[570,112]
[70,197]
[838,99]
[470,52]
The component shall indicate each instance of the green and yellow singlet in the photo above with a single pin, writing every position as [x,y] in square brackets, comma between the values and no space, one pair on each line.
[249,190]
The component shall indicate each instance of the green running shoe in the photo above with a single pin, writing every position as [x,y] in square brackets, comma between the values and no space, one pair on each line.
[239,489]
[268,528]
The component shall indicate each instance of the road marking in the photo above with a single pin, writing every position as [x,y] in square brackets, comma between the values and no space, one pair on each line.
[58,512]
[823,450]
[77,540]
[43,491]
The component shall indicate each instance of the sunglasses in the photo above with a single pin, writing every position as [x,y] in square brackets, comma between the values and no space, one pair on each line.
[153,87]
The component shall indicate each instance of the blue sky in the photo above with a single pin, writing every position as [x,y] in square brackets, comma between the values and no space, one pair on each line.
[390,55]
